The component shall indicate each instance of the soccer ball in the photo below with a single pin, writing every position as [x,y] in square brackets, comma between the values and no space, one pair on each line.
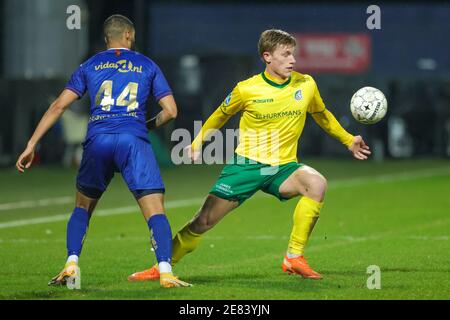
[368,105]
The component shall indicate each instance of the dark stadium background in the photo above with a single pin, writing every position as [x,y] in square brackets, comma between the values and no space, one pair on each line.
[204,48]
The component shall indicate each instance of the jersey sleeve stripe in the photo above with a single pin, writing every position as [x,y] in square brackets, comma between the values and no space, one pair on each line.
[78,93]
[162,95]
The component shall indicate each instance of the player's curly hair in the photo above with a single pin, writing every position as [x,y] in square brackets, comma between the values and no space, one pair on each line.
[115,25]
[270,39]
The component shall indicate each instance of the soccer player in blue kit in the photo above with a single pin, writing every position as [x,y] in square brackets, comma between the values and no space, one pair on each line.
[118,81]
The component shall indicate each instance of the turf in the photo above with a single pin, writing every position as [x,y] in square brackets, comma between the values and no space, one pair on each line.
[394,215]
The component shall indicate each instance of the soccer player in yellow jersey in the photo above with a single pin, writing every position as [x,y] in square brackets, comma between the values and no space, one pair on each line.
[273,108]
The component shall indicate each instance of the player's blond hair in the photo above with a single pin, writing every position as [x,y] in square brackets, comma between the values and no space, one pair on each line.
[270,39]
[115,25]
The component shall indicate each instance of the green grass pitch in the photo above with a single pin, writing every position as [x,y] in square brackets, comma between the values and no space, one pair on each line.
[395,215]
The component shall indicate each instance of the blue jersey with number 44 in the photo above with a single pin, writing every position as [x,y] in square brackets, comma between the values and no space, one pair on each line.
[119,82]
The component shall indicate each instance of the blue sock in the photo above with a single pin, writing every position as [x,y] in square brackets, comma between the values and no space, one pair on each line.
[76,231]
[161,237]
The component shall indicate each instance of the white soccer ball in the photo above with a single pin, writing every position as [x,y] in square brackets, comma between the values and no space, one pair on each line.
[368,105]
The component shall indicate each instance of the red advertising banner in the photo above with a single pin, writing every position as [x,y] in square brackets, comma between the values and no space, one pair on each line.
[333,52]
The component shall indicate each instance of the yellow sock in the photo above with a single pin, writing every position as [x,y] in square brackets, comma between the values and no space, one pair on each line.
[184,242]
[305,217]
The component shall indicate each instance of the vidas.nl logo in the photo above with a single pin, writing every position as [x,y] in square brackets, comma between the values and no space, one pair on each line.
[121,66]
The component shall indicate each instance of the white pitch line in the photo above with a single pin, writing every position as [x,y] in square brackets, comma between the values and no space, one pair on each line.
[35,203]
[385,178]
[102,213]
[132,209]
[394,177]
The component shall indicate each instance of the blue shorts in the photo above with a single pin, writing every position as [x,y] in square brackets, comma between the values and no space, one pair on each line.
[133,157]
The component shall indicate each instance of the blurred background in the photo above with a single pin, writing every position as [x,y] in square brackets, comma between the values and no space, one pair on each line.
[204,48]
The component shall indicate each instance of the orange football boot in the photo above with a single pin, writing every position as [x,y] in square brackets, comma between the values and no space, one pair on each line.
[299,266]
[151,274]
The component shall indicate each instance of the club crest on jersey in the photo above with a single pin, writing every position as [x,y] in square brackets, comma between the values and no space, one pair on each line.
[298,95]
[227,100]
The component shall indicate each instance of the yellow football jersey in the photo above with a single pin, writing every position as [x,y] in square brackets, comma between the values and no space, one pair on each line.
[273,115]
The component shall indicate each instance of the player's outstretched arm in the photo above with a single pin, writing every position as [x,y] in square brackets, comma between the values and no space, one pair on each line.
[355,144]
[168,113]
[52,115]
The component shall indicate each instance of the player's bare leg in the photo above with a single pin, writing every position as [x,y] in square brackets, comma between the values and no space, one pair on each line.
[305,181]
[311,185]
[76,233]
[187,239]
[151,204]
[211,212]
